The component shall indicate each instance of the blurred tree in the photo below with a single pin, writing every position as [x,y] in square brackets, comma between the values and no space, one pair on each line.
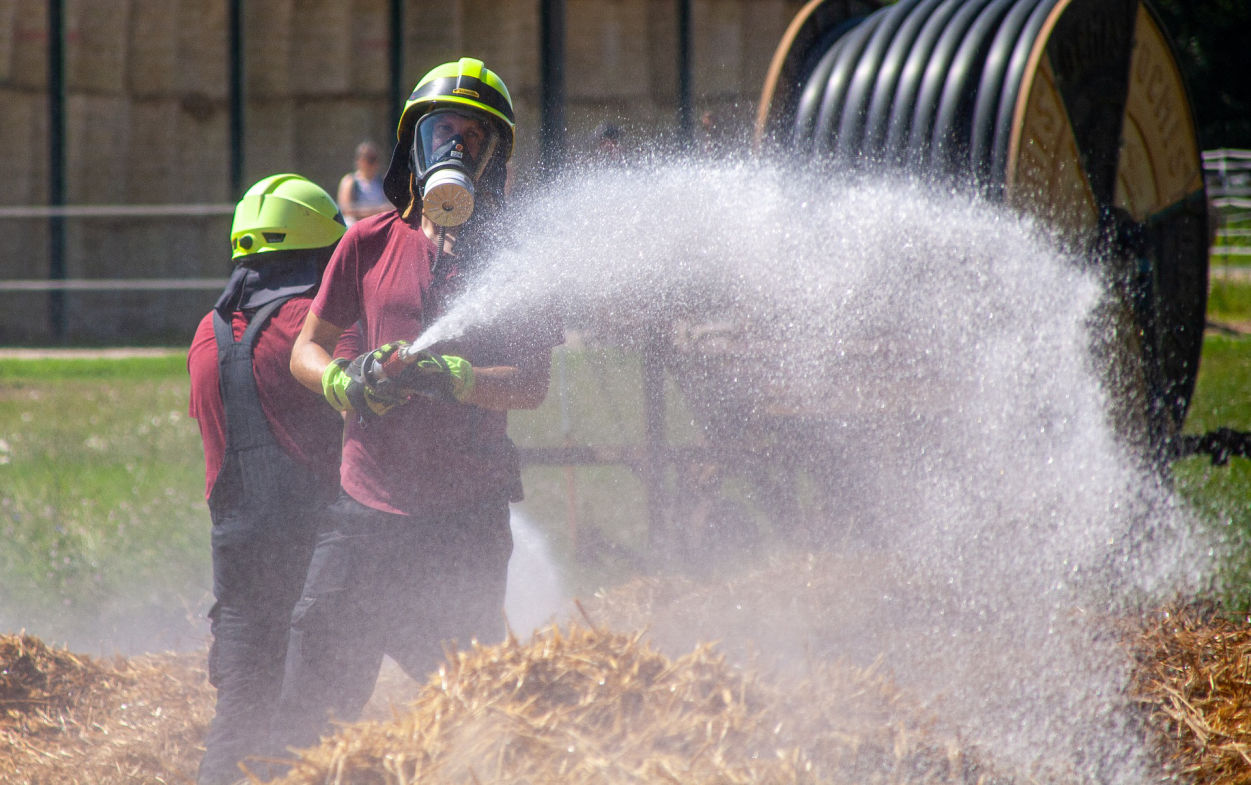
[1212,38]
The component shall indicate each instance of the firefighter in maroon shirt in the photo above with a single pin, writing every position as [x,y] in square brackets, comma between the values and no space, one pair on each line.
[415,550]
[271,453]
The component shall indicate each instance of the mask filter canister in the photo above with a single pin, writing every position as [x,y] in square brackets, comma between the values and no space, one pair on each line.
[447,199]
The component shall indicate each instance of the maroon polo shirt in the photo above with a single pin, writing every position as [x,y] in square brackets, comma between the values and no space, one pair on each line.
[425,455]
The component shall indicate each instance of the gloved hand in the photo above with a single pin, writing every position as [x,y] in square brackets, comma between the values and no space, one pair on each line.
[444,377]
[361,385]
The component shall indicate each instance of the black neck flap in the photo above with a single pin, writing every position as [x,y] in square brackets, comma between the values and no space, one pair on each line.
[253,287]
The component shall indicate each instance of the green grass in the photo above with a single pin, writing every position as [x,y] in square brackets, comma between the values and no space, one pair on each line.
[1228,300]
[102,497]
[1222,399]
[56,369]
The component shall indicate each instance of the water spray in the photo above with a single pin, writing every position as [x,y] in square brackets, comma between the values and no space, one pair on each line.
[938,351]
[919,331]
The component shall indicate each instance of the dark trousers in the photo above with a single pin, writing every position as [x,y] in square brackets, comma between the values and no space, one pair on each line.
[396,585]
[258,572]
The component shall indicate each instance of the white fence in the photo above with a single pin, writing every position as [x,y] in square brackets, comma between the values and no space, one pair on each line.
[1227,174]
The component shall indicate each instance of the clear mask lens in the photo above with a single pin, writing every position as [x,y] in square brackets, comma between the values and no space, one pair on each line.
[453,138]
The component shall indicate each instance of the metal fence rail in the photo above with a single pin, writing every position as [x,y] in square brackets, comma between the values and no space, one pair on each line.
[1227,173]
[56,284]
[112,284]
[116,210]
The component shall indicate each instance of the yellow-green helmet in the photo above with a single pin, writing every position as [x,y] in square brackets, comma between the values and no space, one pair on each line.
[465,84]
[285,212]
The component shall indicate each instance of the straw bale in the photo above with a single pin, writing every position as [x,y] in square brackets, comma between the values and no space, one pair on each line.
[271,55]
[662,44]
[325,124]
[28,50]
[24,160]
[325,36]
[96,46]
[156,172]
[38,683]
[439,38]
[607,48]
[767,20]
[95,123]
[8,15]
[513,55]
[200,66]
[587,705]
[370,46]
[719,26]
[195,169]
[152,48]
[270,143]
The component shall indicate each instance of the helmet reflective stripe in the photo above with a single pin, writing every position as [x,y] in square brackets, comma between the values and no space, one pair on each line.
[467,91]
[284,212]
[455,83]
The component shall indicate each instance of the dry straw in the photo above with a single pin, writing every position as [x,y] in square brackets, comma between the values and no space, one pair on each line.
[1195,677]
[588,706]
[73,720]
[584,704]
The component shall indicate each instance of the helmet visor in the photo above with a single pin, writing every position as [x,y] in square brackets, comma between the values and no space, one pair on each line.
[454,135]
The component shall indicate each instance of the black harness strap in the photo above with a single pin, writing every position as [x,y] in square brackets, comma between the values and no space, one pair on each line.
[246,425]
[259,483]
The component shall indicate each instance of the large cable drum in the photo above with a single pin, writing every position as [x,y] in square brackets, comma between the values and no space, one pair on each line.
[1073,110]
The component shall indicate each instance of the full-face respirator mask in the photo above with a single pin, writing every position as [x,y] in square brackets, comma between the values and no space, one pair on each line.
[451,149]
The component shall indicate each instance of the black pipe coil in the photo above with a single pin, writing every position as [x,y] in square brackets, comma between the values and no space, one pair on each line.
[934,87]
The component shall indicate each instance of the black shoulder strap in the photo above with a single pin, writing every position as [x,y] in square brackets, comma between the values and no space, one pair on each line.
[259,321]
[222,329]
[246,424]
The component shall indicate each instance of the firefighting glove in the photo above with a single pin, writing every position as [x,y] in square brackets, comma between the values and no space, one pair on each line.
[444,377]
[355,386]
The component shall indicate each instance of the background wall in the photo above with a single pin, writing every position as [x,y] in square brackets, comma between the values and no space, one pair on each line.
[147,115]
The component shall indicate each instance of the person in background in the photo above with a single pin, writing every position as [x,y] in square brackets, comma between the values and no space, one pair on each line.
[712,134]
[360,190]
[608,143]
[414,553]
[271,453]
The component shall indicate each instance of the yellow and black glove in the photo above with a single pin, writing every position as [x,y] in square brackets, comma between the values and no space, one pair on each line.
[444,377]
[362,385]
[378,381]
